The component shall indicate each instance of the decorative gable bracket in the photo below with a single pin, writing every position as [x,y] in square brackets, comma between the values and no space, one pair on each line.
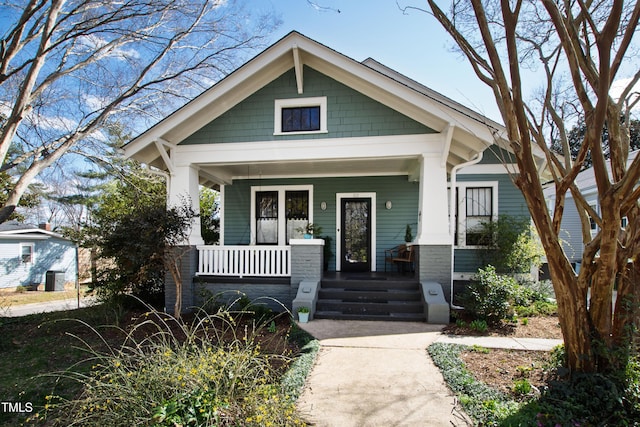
[297,64]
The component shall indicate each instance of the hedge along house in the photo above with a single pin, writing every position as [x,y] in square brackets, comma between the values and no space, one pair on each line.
[303,134]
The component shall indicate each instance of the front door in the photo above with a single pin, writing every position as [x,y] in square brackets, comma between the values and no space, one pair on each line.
[356,234]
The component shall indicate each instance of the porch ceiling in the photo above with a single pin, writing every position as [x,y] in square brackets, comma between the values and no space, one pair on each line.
[212,174]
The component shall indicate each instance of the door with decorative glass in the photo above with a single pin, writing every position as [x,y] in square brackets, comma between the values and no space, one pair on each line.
[356,234]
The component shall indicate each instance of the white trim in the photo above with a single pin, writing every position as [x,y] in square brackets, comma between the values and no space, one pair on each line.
[33,253]
[298,68]
[318,101]
[489,169]
[222,205]
[308,150]
[462,211]
[339,197]
[462,275]
[281,189]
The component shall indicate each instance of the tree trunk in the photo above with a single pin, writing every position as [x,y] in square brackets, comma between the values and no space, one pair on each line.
[572,313]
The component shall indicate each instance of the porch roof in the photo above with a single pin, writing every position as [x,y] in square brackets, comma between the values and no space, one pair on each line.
[463,133]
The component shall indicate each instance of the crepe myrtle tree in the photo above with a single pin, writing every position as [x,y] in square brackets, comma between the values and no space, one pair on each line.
[579,49]
[68,66]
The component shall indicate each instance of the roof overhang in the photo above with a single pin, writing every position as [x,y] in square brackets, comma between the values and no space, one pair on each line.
[467,132]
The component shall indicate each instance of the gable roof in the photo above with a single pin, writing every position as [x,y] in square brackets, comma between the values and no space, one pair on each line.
[17,230]
[586,180]
[471,132]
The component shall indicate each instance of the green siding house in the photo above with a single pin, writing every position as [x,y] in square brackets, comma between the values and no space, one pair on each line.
[302,134]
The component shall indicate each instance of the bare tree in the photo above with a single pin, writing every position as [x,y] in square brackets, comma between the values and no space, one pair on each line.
[68,66]
[580,48]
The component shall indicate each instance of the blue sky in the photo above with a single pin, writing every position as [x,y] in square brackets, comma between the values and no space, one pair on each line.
[413,44]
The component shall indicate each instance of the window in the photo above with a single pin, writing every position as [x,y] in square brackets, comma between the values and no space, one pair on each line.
[300,119]
[279,212]
[267,218]
[475,203]
[26,253]
[592,221]
[479,206]
[300,116]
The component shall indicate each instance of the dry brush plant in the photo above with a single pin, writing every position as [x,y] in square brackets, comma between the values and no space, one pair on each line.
[166,372]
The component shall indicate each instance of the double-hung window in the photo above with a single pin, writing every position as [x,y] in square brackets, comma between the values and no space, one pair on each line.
[475,204]
[26,253]
[479,210]
[279,213]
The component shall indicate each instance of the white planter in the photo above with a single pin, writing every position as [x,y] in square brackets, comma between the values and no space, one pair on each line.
[303,317]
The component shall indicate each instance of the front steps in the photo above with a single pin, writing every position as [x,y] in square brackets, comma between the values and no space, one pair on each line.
[370,299]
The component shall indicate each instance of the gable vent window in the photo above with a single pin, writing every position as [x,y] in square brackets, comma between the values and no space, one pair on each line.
[300,116]
[300,119]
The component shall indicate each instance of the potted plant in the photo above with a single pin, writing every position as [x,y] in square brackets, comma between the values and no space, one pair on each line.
[408,236]
[303,314]
[309,230]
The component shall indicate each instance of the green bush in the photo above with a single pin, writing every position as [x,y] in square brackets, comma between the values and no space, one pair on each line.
[478,326]
[510,244]
[488,296]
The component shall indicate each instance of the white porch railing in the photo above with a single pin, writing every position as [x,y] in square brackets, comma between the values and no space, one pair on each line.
[239,261]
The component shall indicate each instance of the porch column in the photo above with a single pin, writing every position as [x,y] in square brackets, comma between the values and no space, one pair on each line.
[433,215]
[183,188]
[434,255]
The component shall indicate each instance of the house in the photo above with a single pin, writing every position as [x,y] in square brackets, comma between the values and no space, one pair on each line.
[31,256]
[570,226]
[303,134]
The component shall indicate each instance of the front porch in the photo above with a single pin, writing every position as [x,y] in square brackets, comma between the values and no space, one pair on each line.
[291,276]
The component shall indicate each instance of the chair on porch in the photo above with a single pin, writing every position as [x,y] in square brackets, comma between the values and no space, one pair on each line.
[401,256]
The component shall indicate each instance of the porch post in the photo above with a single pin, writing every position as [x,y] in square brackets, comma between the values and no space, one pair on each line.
[183,188]
[434,243]
[433,215]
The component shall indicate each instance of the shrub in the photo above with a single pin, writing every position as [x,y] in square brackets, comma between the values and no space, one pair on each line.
[522,387]
[487,296]
[167,373]
[510,244]
[478,326]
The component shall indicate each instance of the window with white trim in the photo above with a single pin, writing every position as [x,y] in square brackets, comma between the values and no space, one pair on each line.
[300,116]
[475,203]
[26,253]
[278,213]
[592,222]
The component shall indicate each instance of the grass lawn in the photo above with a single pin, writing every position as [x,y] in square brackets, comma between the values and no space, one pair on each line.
[8,299]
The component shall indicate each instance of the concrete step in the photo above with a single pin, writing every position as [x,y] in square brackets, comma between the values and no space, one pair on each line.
[398,317]
[370,295]
[386,308]
[371,285]
[370,299]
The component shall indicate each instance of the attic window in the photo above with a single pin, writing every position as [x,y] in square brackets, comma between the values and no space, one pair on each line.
[300,116]
[300,119]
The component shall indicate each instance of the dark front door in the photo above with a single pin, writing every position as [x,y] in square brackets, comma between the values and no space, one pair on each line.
[356,234]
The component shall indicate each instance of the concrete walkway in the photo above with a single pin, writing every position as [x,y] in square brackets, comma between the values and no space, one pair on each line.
[379,374]
[19,310]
